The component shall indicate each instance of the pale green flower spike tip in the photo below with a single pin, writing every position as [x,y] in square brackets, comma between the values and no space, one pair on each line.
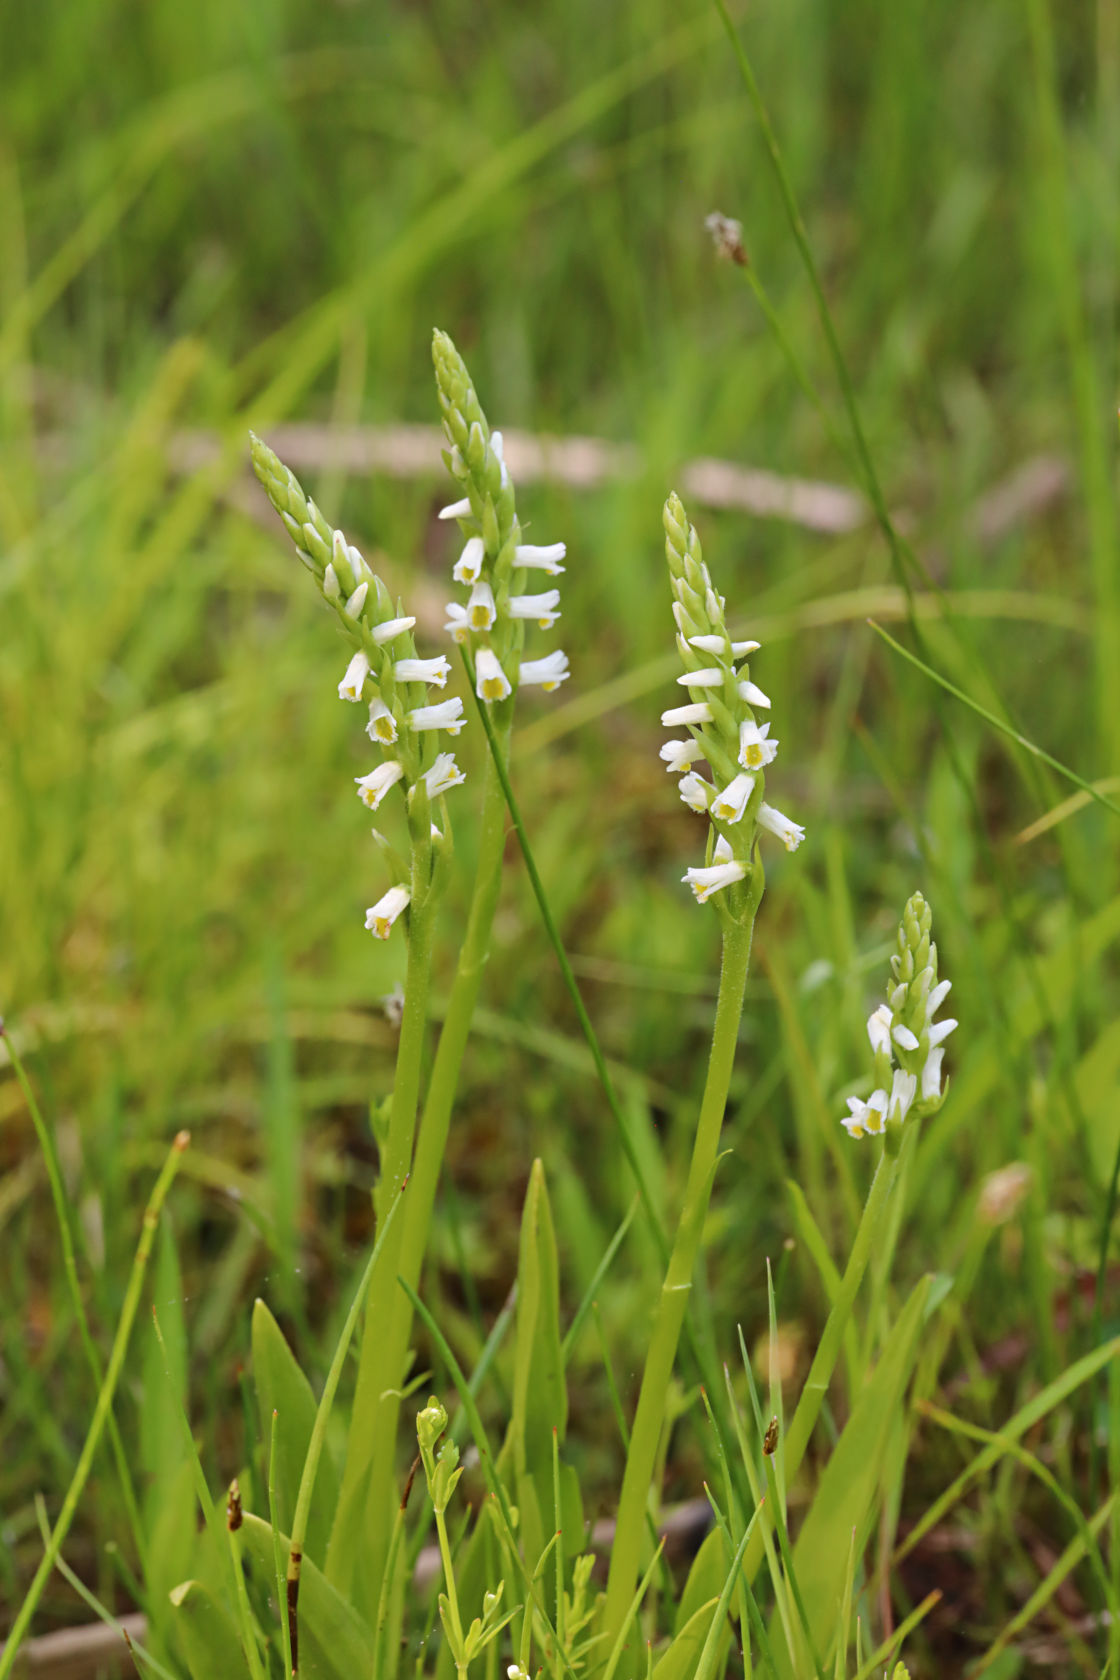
[383,672]
[494,564]
[906,1040]
[720,716]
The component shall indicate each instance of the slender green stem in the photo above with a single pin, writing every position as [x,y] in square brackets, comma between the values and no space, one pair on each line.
[358,1522]
[832,1339]
[101,1410]
[389,1326]
[673,1301]
[70,1266]
[702,1357]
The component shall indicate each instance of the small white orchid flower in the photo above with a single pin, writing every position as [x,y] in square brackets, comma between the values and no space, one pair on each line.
[931,1076]
[490,681]
[868,1117]
[705,882]
[680,755]
[548,672]
[373,788]
[382,725]
[753,695]
[448,714]
[444,774]
[755,750]
[468,567]
[903,1037]
[698,712]
[434,671]
[789,833]
[391,629]
[353,607]
[381,916]
[729,805]
[695,791]
[537,559]
[456,510]
[481,610]
[939,1031]
[879,1030]
[458,623]
[904,1087]
[710,677]
[937,997]
[350,688]
[332,589]
[542,607]
[708,644]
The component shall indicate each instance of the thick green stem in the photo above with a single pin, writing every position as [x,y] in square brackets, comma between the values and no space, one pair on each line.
[390,1319]
[673,1301]
[356,1519]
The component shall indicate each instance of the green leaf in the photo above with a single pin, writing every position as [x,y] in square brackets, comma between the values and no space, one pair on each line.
[844,1495]
[282,1387]
[705,1578]
[162,1443]
[207,1634]
[680,1660]
[334,1642]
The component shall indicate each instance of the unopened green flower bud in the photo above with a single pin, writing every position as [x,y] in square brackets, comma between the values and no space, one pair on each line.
[430,1424]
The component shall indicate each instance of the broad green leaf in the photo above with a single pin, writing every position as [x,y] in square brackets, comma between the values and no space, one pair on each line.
[844,1495]
[705,1578]
[679,1661]
[282,1387]
[334,1642]
[207,1634]
[171,1555]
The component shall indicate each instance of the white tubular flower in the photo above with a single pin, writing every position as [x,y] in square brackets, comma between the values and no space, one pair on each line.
[931,1076]
[456,510]
[350,688]
[543,607]
[879,1030]
[332,589]
[373,788]
[695,791]
[680,755]
[497,444]
[730,805]
[722,852]
[382,725]
[740,650]
[753,695]
[548,672]
[710,677]
[481,610]
[705,882]
[391,629]
[353,607]
[937,997]
[381,916]
[435,670]
[903,1037]
[468,567]
[939,1031]
[904,1088]
[536,559]
[444,774]
[755,750]
[789,833]
[491,682]
[458,623]
[867,1118]
[708,644]
[698,712]
[448,714]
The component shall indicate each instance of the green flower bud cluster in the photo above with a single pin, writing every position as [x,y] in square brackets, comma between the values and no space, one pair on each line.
[494,562]
[906,1041]
[721,720]
[383,672]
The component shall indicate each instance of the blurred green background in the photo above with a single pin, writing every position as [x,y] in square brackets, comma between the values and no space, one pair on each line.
[219,216]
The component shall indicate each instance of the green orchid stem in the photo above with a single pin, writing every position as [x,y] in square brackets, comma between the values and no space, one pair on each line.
[390,1319]
[832,1340]
[358,1521]
[673,1301]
